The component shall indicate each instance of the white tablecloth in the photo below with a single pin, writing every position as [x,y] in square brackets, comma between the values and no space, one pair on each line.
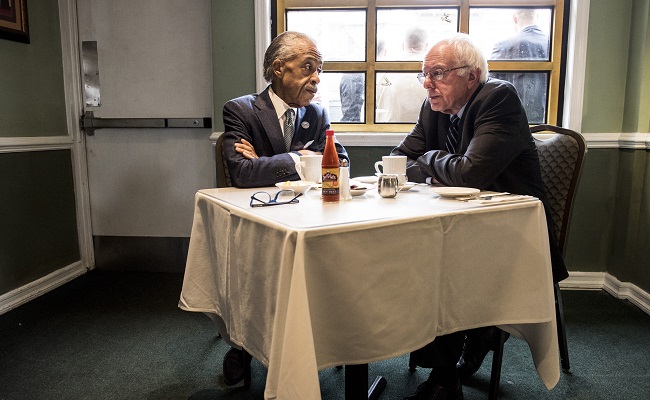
[311,285]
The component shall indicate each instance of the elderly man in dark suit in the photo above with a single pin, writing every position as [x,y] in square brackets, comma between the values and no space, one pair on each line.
[266,133]
[471,132]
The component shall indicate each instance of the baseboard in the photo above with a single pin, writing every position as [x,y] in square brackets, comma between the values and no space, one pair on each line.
[32,290]
[141,253]
[628,291]
[609,283]
[584,280]
[575,281]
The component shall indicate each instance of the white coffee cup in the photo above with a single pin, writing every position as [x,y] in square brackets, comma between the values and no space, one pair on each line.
[309,167]
[393,165]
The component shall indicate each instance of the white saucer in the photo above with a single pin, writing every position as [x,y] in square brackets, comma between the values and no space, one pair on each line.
[359,190]
[296,186]
[452,191]
[366,179]
[378,174]
[407,186]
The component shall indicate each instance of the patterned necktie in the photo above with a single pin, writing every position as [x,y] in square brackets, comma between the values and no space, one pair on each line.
[288,128]
[454,136]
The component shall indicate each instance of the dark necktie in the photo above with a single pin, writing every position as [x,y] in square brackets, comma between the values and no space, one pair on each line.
[288,128]
[453,137]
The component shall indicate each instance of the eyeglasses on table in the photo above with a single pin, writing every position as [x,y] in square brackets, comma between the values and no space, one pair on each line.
[265,199]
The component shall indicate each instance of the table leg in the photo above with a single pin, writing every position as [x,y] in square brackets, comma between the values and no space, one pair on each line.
[356,381]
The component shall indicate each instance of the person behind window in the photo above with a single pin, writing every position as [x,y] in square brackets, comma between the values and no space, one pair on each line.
[400,94]
[258,146]
[530,43]
[351,89]
[490,147]
[256,151]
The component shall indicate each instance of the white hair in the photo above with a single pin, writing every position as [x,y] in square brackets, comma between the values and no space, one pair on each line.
[467,53]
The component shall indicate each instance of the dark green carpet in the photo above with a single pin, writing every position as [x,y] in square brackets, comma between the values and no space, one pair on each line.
[116,335]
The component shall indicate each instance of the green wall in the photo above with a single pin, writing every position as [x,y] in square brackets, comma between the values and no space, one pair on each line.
[38,228]
[637,93]
[591,231]
[32,101]
[606,66]
[233,53]
[611,220]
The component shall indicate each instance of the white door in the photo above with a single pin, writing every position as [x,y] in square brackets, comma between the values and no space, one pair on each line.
[153,60]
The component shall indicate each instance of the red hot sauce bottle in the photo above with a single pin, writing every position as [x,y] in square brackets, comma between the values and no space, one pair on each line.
[330,169]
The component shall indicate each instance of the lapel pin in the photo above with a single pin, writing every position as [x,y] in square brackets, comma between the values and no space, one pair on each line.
[305,125]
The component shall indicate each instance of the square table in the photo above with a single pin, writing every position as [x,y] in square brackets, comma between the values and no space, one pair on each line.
[312,285]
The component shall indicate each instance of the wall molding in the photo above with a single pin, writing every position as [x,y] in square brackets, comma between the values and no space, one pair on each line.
[636,141]
[628,291]
[32,290]
[35,143]
[74,110]
[594,140]
[574,85]
[262,39]
[609,283]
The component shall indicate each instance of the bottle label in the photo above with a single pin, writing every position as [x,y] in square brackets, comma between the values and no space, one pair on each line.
[330,181]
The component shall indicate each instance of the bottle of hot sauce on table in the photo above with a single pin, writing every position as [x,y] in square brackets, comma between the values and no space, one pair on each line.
[330,169]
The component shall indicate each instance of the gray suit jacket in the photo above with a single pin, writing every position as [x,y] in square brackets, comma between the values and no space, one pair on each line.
[253,117]
[497,151]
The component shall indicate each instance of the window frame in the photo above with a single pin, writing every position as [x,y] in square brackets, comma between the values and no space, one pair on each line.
[555,66]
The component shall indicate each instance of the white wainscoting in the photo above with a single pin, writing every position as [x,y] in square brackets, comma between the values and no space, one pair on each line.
[609,283]
[32,290]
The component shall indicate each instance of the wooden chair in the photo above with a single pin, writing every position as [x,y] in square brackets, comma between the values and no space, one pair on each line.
[223,176]
[561,158]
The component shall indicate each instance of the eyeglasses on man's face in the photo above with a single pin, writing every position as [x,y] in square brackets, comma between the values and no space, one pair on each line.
[437,74]
[264,199]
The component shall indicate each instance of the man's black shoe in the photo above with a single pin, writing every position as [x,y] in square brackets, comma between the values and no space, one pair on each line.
[475,349]
[430,390]
[236,366]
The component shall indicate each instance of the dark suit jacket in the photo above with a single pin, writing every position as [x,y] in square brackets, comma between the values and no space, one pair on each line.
[497,151]
[254,118]
[529,44]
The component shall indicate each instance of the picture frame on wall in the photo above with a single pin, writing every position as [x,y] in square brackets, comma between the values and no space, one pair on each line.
[13,20]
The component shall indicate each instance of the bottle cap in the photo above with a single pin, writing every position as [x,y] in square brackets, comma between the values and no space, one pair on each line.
[329,132]
[344,163]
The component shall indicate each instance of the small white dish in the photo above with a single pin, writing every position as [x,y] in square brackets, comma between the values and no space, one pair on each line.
[358,190]
[453,191]
[366,179]
[296,186]
[407,186]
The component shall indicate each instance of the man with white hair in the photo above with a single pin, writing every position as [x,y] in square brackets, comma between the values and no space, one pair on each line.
[472,132]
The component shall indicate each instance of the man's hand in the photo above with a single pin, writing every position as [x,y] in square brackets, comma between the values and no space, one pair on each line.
[246,149]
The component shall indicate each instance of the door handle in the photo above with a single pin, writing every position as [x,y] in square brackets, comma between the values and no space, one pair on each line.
[88,122]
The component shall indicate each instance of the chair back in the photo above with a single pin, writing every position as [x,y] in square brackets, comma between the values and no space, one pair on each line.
[223,175]
[561,158]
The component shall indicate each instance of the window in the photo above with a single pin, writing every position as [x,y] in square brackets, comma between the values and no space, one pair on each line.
[372,52]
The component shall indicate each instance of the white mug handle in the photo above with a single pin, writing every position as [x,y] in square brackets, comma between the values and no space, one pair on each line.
[299,167]
[377,164]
